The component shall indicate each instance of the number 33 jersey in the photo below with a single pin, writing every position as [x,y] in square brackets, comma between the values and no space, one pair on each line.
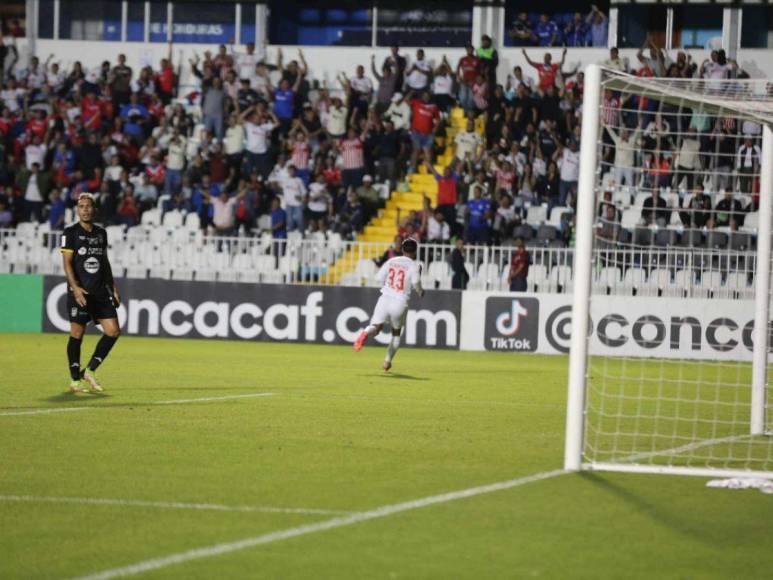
[399,277]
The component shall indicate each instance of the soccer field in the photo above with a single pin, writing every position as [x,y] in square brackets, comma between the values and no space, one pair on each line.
[214,459]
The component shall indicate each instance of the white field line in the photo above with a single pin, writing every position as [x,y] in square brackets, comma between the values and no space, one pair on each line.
[333,523]
[168,505]
[42,411]
[204,399]
[680,449]
[139,404]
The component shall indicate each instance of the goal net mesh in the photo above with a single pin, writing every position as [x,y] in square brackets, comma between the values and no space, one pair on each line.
[677,206]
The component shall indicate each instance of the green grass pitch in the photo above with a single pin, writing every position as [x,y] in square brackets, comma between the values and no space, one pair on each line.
[338,435]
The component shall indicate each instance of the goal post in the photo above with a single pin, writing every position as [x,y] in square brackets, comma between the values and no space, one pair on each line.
[676,250]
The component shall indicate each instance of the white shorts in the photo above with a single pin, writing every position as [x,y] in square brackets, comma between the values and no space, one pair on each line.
[390,310]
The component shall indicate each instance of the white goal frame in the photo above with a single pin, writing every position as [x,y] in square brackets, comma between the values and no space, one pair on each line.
[578,357]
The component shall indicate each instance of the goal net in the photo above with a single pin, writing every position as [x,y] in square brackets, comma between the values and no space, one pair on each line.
[674,223]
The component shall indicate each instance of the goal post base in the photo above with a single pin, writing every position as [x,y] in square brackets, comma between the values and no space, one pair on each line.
[676,470]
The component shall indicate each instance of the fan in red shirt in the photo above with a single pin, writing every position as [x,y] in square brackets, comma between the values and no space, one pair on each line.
[466,72]
[165,78]
[38,124]
[519,268]
[156,172]
[91,113]
[547,71]
[424,119]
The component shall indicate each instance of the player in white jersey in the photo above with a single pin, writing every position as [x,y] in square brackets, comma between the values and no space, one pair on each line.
[399,277]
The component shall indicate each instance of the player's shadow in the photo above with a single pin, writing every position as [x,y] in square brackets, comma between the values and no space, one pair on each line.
[397,376]
[75,397]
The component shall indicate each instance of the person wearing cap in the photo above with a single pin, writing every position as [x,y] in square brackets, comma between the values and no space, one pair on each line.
[369,196]
[400,276]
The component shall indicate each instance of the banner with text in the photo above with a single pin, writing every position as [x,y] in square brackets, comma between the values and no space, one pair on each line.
[619,325]
[289,313]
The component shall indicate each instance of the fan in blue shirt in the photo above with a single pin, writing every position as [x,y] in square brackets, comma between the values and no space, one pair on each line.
[478,211]
[547,31]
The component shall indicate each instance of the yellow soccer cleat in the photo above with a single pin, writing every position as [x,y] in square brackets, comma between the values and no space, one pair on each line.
[91,378]
[75,387]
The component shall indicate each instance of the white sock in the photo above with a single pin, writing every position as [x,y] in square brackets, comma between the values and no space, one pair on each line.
[394,344]
[371,330]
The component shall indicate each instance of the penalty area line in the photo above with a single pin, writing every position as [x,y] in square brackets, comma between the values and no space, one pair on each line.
[169,505]
[333,523]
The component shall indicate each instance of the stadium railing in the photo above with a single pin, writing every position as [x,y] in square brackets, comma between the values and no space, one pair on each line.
[689,272]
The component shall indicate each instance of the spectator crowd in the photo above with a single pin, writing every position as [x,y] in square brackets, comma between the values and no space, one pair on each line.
[256,138]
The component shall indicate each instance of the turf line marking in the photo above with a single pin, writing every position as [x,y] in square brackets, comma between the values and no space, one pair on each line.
[139,404]
[683,448]
[169,505]
[333,523]
[43,411]
[204,399]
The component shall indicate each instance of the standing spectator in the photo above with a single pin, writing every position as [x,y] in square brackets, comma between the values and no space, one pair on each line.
[360,89]
[626,147]
[293,193]
[319,205]
[424,121]
[300,155]
[568,159]
[284,100]
[614,61]
[576,32]
[522,32]
[489,60]
[165,79]
[35,186]
[468,144]
[353,160]
[369,197]
[278,222]
[258,130]
[748,163]
[223,214]
[120,82]
[213,108]
[478,215]
[387,85]
[399,113]
[398,63]
[656,63]
[233,142]
[56,210]
[337,118]
[547,71]
[519,268]
[467,71]
[443,87]
[460,275]
[547,31]
[687,162]
[419,73]
[388,150]
[438,230]
[175,164]
[599,27]
[246,62]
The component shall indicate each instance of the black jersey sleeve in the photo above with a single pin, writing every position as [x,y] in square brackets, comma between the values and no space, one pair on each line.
[67,244]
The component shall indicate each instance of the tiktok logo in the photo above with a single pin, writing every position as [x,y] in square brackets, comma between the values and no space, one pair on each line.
[508,323]
[512,324]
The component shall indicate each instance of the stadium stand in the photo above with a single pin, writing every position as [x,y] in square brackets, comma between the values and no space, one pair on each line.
[185,176]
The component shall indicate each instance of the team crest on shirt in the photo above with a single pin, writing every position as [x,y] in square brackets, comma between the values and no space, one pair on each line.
[91,265]
[81,251]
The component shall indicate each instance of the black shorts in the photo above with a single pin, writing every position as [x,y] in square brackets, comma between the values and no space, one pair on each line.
[97,308]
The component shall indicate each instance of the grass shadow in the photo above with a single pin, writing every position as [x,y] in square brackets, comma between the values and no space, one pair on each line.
[671,519]
[75,397]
